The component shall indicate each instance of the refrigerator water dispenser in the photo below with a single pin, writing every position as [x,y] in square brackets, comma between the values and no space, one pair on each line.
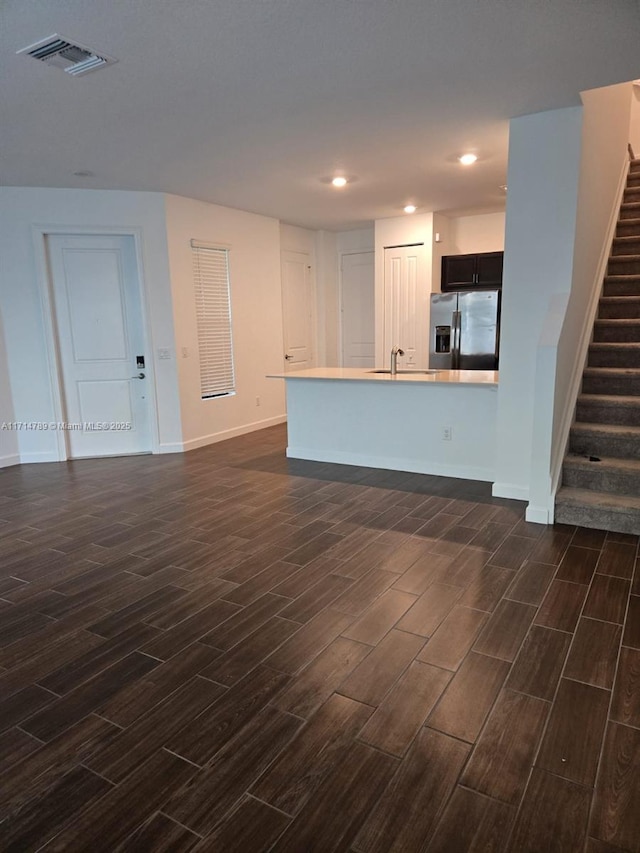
[443,339]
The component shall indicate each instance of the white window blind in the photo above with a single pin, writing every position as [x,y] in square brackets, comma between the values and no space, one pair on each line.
[213,311]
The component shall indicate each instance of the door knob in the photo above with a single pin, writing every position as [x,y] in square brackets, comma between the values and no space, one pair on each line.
[288,357]
[138,376]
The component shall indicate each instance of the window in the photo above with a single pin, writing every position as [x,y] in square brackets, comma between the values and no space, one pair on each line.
[213,312]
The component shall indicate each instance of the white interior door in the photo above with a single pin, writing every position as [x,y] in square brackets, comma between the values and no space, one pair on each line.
[406,306]
[100,338]
[358,310]
[297,309]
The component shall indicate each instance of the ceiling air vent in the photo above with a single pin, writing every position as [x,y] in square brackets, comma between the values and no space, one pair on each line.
[70,56]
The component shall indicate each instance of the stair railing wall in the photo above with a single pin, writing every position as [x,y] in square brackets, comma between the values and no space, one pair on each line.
[556,389]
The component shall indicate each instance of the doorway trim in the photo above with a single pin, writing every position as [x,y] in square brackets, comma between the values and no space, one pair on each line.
[39,234]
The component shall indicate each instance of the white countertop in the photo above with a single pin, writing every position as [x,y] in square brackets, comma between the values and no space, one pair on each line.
[487,378]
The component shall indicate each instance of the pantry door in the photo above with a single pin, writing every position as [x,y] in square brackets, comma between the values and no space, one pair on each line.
[100,341]
[297,310]
[357,309]
[406,305]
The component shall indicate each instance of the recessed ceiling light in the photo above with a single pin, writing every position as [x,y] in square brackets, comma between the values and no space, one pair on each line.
[339,182]
[467,159]
[410,208]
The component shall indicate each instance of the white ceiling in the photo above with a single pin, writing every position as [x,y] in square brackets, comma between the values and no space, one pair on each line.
[251,103]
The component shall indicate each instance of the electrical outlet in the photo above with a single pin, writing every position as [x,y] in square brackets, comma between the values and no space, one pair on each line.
[163,352]
[447,432]
[257,401]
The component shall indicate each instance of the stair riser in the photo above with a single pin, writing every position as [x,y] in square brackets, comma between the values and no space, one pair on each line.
[623,265]
[606,333]
[627,386]
[631,211]
[631,194]
[633,180]
[596,518]
[614,358]
[622,288]
[628,228]
[619,310]
[604,445]
[628,247]
[601,479]
[591,413]
[634,166]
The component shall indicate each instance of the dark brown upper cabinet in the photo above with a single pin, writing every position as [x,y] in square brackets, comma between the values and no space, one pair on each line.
[471,272]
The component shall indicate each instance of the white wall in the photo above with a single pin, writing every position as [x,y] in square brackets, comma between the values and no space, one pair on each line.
[480,233]
[543,177]
[296,239]
[397,231]
[328,299]
[256,304]
[443,228]
[603,168]
[8,438]
[358,240]
[22,211]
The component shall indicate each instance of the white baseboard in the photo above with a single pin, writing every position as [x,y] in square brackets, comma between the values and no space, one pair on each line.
[203,440]
[510,490]
[39,456]
[10,459]
[390,463]
[173,447]
[539,514]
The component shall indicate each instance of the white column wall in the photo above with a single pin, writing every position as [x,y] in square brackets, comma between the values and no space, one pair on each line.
[543,179]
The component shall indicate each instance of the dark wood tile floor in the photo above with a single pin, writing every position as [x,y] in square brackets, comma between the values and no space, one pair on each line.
[229,651]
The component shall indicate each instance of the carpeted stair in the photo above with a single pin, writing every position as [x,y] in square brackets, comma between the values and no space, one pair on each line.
[601,472]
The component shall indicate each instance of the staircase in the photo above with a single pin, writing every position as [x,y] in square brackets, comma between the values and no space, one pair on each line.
[601,472]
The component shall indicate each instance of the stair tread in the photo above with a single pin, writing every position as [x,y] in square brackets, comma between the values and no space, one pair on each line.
[628,321]
[621,278]
[610,399]
[615,345]
[621,299]
[612,371]
[569,495]
[611,463]
[607,429]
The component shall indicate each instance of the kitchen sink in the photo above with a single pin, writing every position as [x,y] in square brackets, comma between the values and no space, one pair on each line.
[383,370]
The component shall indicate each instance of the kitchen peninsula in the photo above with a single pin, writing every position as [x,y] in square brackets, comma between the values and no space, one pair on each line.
[427,423]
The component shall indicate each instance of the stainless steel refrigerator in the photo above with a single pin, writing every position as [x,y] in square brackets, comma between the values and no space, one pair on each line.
[465,330]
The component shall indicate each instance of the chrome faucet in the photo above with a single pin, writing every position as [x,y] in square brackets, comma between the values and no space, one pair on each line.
[395,352]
